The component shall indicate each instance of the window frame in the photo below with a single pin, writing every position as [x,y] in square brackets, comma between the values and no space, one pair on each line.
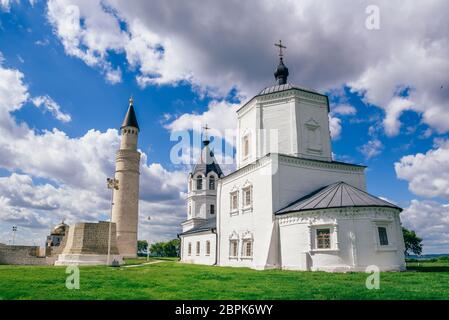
[212,181]
[198,248]
[247,190]
[233,194]
[233,242]
[245,243]
[318,239]
[199,182]
[208,248]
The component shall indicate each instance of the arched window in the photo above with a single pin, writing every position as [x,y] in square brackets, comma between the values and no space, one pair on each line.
[211,183]
[199,183]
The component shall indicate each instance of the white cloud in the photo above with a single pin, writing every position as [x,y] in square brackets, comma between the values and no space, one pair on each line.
[51,106]
[372,148]
[220,116]
[344,109]
[427,174]
[334,127]
[430,220]
[6,4]
[176,41]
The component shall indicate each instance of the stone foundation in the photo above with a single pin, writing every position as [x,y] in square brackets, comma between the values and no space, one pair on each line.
[87,244]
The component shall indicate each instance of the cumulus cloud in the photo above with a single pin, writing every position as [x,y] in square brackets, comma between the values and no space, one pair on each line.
[334,127]
[430,220]
[220,116]
[396,68]
[75,168]
[372,148]
[344,109]
[427,174]
[51,106]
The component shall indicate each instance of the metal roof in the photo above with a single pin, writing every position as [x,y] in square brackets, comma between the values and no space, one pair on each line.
[130,118]
[336,195]
[284,87]
[207,162]
[208,225]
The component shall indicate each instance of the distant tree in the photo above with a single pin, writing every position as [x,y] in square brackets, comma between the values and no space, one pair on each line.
[142,245]
[165,249]
[413,243]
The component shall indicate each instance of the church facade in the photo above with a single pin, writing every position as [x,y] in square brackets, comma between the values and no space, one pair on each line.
[288,205]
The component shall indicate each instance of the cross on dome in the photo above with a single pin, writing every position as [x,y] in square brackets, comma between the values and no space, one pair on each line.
[281,46]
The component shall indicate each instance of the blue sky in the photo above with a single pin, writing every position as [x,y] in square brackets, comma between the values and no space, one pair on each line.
[185,62]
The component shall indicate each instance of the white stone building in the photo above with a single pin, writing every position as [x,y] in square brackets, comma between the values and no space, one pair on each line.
[289,205]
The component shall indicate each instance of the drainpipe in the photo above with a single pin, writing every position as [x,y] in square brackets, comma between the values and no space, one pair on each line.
[216,246]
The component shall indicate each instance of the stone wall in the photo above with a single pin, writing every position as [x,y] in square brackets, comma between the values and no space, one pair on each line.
[21,255]
[91,238]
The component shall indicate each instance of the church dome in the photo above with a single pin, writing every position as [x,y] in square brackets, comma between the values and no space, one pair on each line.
[281,73]
[60,229]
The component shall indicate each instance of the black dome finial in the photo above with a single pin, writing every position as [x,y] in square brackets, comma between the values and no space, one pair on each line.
[281,73]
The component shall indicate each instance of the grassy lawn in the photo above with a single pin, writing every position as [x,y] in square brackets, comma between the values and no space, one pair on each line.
[172,280]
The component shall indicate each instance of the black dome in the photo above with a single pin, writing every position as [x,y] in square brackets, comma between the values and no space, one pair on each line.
[281,73]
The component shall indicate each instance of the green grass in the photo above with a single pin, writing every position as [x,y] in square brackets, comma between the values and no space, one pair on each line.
[172,280]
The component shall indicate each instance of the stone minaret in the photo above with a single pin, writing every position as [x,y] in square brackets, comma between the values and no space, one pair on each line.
[125,211]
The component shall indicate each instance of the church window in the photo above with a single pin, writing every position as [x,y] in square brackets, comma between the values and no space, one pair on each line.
[247,248]
[208,248]
[189,249]
[383,237]
[234,200]
[323,238]
[212,209]
[234,248]
[211,183]
[245,147]
[199,183]
[247,196]
[198,248]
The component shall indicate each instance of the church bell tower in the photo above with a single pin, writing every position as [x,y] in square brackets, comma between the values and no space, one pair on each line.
[125,212]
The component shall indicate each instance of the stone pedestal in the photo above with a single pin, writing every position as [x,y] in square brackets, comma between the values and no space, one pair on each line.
[87,244]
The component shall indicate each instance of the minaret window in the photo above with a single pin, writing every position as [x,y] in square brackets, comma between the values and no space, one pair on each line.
[211,183]
[199,183]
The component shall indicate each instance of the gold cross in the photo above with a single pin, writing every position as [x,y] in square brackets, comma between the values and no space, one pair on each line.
[280,48]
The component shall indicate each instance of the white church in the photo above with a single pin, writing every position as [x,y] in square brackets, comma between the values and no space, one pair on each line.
[287,205]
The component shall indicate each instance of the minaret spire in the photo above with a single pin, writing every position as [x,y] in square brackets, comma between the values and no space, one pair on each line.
[130,118]
[281,72]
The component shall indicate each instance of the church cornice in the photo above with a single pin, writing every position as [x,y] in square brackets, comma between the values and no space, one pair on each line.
[315,216]
[303,162]
[285,95]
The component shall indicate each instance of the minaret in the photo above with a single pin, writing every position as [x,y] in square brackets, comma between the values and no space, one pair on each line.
[125,212]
